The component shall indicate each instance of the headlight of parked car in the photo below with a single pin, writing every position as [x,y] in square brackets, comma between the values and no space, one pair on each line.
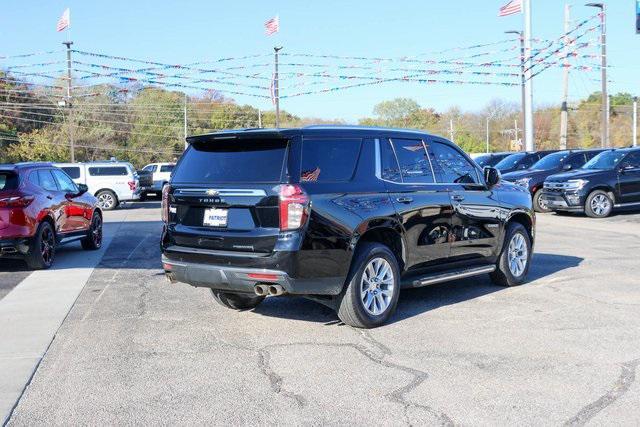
[522,182]
[575,184]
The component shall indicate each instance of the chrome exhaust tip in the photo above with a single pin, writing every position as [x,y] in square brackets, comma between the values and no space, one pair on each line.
[276,290]
[261,290]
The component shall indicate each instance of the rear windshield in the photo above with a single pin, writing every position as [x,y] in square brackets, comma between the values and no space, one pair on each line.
[8,181]
[245,161]
[510,161]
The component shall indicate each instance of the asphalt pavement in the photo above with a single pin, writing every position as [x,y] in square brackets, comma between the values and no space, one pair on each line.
[561,349]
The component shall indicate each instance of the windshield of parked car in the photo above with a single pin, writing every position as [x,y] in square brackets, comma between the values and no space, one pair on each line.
[606,160]
[483,160]
[552,161]
[510,161]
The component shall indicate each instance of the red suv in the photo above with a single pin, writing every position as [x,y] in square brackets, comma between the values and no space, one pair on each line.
[41,208]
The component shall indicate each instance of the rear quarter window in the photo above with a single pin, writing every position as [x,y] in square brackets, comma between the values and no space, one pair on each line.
[108,171]
[166,168]
[8,181]
[329,160]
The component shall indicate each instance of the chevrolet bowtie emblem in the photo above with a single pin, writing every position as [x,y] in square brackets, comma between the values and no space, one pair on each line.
[212,192]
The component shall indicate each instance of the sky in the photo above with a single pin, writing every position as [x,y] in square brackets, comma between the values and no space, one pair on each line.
[180,32]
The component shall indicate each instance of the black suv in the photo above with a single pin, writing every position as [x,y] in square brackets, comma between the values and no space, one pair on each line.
[346,216]
[609,180]
[520,161]
[533,179]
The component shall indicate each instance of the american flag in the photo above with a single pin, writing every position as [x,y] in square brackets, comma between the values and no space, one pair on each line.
[64,21]
[514,6]
[310,175]
[272,26]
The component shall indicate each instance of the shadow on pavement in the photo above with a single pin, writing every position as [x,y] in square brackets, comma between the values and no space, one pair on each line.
[414,302]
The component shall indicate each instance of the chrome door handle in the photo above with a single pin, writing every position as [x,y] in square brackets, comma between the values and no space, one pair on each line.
[404,200]
[458,197]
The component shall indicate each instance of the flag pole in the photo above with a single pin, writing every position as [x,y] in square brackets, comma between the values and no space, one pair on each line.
[528,88]
[276,89]
[69,103]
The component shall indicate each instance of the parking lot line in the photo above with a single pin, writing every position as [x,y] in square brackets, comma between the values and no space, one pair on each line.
[32,312]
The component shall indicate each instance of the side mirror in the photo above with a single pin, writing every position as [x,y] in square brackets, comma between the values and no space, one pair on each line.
[491,176]
[567,167]
[82,188]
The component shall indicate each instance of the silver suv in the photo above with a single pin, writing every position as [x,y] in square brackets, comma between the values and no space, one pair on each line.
[111,182]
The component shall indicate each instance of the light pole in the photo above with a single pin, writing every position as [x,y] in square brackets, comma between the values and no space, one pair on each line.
[604,128]
[635,121]
[523,80]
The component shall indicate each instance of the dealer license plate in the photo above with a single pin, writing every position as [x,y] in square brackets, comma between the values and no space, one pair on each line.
[215,217]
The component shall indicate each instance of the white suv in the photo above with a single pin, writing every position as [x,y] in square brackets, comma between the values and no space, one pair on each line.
[111,182]
[161,175]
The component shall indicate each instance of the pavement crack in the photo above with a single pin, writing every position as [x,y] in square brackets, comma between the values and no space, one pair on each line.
[621,386]
[264,359]
[398,396]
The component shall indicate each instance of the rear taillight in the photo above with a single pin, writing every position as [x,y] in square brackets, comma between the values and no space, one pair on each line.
[294,207]
[15,201]
[132,185]
[165,203]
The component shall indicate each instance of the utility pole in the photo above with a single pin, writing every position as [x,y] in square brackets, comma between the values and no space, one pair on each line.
[635,121]
[529,136]
[564,114]
[522,75]
[259,118]
[276,88]
[68,103]
[487,134]
[186,144]
[604,128]
[451,130]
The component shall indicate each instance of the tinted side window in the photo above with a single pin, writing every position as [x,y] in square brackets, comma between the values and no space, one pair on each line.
[329,160]
[64,182]
[388,162]
[166,168]
[413,160]
[72,171]
[46,180]
[631,161]
[149,168]
[451,166]
[576,161]
[33,178]
[108,171]
[530,160]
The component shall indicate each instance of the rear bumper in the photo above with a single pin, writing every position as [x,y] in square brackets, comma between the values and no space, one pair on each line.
[227,271]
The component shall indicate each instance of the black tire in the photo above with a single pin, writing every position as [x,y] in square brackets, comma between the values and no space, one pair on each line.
[503,275]
[538,205]
[107,200]
[236,301]
[598,204]
[43,248]
[351,303]
[93,241]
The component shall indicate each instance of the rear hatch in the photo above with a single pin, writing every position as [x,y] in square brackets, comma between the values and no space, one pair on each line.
[8,185]
[224,194]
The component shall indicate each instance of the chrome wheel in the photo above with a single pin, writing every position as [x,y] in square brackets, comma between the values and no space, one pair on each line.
[47,245]
[377,286]
[600,205]
[518,255]
[106,201]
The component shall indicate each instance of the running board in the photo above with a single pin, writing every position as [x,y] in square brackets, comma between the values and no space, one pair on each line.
[451,275]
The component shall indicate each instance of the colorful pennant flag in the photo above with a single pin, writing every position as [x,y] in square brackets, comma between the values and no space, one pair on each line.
[65,21]
[511,8]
